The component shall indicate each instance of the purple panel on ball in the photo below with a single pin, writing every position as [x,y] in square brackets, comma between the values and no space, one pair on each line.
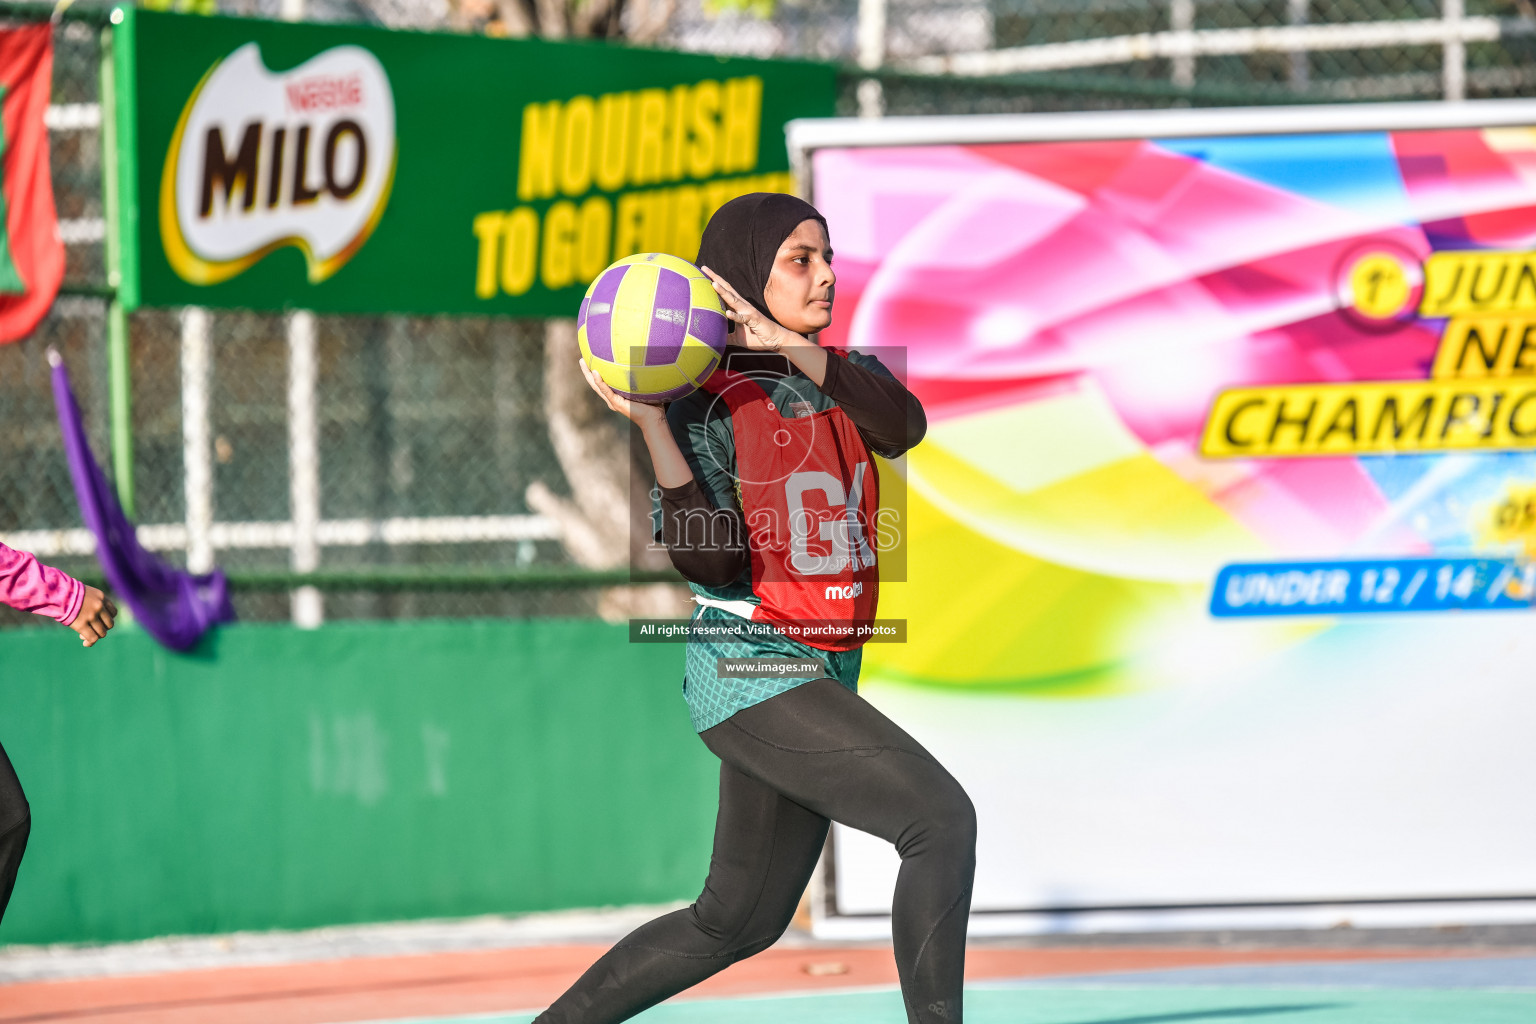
[599,313]
[669,318]
[709,327]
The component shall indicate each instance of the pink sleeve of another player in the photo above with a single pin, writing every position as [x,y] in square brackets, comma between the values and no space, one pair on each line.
[31,586]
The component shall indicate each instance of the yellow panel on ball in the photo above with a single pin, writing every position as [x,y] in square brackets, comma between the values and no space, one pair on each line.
[648,380]
[702,294]
[614,376]
[681,266]
[697,360]
[632,311]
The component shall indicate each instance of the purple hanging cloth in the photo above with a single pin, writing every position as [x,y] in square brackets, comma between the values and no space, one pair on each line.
[174,606]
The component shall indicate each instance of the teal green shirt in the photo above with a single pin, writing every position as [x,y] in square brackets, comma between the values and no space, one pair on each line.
[701,423]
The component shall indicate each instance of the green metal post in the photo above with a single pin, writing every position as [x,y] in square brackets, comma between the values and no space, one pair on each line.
[120,396]
[118,185]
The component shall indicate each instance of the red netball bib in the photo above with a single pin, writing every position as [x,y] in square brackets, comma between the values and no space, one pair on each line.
[809,491]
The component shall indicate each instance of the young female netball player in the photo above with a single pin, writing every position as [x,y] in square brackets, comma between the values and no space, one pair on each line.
[27,584]
[781,428]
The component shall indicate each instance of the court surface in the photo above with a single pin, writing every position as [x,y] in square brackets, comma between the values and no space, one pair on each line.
[837,985]
[1478,991]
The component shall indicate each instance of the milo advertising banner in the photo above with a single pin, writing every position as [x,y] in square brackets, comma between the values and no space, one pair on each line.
[346,169]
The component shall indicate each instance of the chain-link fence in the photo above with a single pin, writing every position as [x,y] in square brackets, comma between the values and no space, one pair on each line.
[430,434]
[1026,55]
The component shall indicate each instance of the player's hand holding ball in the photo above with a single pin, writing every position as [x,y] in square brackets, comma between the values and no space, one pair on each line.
[639,413]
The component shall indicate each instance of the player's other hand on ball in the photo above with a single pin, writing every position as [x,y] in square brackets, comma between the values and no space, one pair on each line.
[638,413]
[97,613]
[758,332]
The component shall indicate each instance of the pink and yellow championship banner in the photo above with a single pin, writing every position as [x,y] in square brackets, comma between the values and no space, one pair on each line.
[1218,545]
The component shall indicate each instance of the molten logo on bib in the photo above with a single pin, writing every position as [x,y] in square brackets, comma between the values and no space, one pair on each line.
[261,160]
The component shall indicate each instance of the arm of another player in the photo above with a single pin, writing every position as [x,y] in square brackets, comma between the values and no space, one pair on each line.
[28,585]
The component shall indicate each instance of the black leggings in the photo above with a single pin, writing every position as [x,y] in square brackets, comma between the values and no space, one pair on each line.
[15,826]
[790,764]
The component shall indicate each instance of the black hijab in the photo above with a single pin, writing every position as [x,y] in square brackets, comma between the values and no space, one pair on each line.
[743,237]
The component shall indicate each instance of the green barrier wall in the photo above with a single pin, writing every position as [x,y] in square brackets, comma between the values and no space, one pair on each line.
[279,778]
